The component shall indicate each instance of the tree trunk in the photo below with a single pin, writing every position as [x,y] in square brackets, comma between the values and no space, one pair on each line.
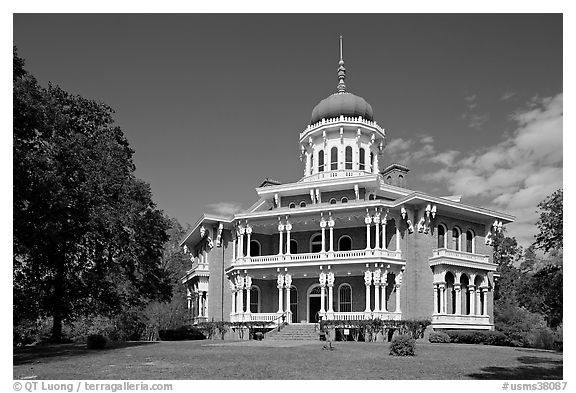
[58,300]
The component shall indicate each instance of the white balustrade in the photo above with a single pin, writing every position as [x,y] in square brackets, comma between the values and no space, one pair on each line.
[445,252]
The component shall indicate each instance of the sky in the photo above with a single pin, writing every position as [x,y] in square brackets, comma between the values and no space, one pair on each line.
[213,104]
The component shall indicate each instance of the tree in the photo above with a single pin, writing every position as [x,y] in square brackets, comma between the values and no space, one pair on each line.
[550,223]
[87,236]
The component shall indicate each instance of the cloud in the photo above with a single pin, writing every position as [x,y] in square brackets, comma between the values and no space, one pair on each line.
[224,208]
[516,174]
[507,96]
[474,119]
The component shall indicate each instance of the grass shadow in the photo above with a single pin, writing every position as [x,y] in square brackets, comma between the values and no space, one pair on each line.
[32,354]
[534,367]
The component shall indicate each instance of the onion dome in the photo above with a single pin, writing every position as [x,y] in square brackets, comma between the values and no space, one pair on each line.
[342,102]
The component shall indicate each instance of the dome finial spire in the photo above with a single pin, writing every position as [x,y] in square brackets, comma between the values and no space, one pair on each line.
[341,72]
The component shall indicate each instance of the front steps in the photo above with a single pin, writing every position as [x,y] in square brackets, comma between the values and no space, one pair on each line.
[295,331]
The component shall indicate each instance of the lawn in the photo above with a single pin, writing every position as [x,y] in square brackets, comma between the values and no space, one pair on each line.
[283,360]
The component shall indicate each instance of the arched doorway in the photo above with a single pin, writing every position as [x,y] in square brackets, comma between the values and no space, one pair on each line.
[314,302]
[294,303]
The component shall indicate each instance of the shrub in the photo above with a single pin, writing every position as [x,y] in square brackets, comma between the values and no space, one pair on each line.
[181,333]
[96,341]
[259,336]
[477,337]
[439,337]
[403,345]
[542,338]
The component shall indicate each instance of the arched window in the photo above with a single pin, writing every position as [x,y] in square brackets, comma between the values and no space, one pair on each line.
[254,299]
[389,180]
[321,161]
[293,246]
[400,178]
[372,169]
[312,162]
[441,236]
[292,205]
[316,243]
[348,155]
[255,248]
[344,200]
[362,165]
[302,204]
[470,242]
[332,201]
[334,158]
[345,298]
[456,238]
[294,303]
[345,243]
[372,197]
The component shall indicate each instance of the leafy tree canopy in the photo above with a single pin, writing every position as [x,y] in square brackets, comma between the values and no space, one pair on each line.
[550,223]
[87,236]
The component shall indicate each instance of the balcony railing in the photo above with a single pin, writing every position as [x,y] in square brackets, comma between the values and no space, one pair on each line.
[353,255]
[455,321]
[460,258]
[334,174]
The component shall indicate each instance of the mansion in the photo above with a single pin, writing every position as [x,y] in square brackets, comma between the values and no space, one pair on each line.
[349,240]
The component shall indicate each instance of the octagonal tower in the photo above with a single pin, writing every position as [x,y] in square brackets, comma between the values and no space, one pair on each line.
[342,139]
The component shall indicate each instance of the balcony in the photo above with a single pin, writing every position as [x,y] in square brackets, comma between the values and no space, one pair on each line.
[353,256]
[454,321]
[445,256]
[275,318]
[334,174]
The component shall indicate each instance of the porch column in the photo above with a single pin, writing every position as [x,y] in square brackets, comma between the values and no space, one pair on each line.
[323,224]
[478,303]
[249,233]
[280,286]
[322,280]
[441,290]
[377,223]
[248,286]
[367,221]
[331,226]
[376,276]
[472,292]
[367,282]
[288,229]
[241,242]
[240,286]
[384,221]
[287,283]
[330,282]
[280,230]
[398,286]
[458,295]
[383,285]
[485,303]
[435,290]
[233,293]
[234,248]
[397,238]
